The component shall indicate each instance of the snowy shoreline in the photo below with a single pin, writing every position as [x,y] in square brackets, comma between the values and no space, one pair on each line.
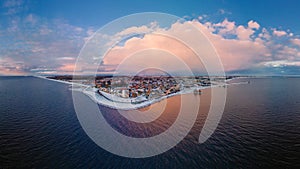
[97,98]
[128,106]
[62,81]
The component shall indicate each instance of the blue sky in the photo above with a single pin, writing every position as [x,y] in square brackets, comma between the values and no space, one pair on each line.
[270,13]
[45,36]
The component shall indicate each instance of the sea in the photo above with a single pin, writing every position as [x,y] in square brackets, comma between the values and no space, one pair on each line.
[260,128]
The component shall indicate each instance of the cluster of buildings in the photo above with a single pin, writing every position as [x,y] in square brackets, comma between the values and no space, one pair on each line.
[150,87]
[142,87]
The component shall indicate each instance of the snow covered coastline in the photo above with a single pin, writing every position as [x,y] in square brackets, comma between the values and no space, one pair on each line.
[62,81]
[130,106]
[92,92]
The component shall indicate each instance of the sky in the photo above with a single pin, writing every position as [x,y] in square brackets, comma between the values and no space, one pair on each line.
[251,37]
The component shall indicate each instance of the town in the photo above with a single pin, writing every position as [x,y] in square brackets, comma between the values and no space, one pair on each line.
[150,87]
[142,88]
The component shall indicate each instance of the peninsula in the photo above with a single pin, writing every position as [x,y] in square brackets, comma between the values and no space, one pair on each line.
[126,92]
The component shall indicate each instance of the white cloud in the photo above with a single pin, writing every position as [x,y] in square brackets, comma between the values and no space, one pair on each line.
[14,7]
[12,3]
[224,12]
[40,43]
[31,19]
[281,63]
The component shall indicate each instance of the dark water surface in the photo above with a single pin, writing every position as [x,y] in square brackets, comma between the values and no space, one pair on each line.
[260,128]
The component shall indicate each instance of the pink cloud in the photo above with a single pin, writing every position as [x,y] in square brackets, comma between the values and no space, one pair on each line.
[265,34]
[67,67]
[156,47]
[288,53]
[8,66]
[226,27]
[235,54]
[229,27]
[296,41]
[253,25]
[239,53]
[244,33]
[279,33]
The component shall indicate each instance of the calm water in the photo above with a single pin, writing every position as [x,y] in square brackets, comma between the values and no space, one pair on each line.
[260,128]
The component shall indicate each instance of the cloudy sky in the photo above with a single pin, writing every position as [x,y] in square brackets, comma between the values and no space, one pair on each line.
[250,37]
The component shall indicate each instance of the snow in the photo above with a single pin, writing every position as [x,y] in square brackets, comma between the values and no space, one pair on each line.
[117,102]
